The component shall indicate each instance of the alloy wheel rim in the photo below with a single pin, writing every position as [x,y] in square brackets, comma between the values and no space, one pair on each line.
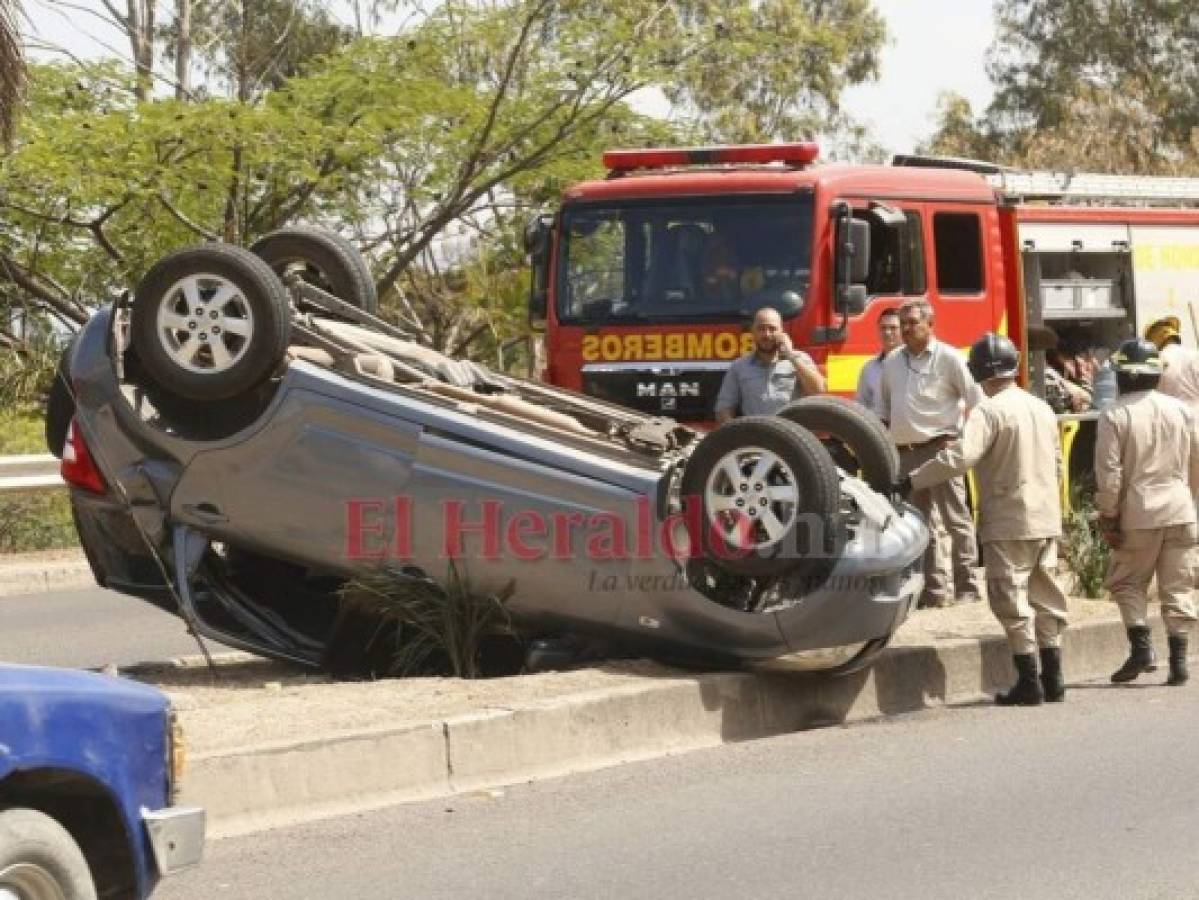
[205,324]
[752,498]
[29,881]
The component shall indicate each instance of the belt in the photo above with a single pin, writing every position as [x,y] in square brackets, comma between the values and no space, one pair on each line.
[941,440]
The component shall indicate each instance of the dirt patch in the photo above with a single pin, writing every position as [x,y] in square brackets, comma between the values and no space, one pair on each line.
[36,558]
[975,620]
[246,702]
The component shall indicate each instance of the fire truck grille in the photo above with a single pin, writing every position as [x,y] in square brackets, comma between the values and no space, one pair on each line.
[686,395]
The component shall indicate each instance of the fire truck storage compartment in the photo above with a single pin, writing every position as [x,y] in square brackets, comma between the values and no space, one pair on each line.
[1078,282]
[1078,271]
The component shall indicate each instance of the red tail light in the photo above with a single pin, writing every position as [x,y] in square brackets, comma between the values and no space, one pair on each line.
[78,468]
[800,154]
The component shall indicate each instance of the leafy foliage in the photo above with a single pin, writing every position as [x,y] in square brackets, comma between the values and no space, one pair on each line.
[253,46]
[12,68]
[1085,550]
[1100,85]
[427,629]
[777,68]
[428,147]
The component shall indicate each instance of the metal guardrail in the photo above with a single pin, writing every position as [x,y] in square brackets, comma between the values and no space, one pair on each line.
[29,472]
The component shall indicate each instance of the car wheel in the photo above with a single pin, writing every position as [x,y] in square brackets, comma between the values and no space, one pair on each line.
[323,259]
[855,428]
[60,402]
[210,322]
[39,860]
[768,495]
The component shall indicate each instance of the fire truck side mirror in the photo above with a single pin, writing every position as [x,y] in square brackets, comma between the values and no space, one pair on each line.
[537,237]
[852,264]
[537,245]
[857,251]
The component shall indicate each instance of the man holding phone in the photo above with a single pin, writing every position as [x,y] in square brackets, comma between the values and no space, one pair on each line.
[764,381]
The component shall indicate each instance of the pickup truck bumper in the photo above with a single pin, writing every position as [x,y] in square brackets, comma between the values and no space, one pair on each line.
[176,836]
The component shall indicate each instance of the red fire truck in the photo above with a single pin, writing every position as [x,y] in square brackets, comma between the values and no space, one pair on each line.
[645,281]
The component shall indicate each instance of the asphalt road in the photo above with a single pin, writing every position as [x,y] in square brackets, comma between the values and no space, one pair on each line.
[87,629]
[1096,798]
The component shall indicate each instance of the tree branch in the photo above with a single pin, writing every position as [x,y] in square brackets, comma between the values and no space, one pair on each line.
[65,307]
[185,221]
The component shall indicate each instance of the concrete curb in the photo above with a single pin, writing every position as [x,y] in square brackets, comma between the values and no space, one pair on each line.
[29,574]
[262,787]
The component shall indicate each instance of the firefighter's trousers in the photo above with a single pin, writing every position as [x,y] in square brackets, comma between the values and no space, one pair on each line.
[949,501]
[1023,594]
[1168,553]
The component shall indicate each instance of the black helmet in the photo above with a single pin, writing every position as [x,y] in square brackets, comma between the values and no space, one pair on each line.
[1138,357]
[1138,366]
[993,356]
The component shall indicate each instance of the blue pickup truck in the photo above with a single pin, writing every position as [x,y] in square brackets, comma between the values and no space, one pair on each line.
[88,768]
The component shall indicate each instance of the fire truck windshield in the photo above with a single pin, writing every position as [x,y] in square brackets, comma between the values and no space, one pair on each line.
[686,260]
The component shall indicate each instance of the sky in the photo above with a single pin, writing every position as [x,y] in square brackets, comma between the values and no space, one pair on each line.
[934,46]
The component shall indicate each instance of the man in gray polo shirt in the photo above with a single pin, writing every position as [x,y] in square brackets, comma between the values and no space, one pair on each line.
[925,390]
[763,382]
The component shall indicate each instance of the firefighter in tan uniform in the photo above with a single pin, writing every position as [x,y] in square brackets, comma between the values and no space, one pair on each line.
[1011,441]
[1180,365]
[1146,473]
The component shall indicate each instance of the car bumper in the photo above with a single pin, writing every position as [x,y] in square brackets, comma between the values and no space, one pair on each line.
[842,659]
[176,837]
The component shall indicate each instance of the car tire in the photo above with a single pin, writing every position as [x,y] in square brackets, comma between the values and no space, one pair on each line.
[788,521]
[855,427]
[40,860]
[60,402]
[322,258]
[196,300]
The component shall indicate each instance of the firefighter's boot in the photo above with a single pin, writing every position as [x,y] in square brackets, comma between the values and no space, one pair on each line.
[1141,657]
[1027,689]
[1178,660]
[1052,680]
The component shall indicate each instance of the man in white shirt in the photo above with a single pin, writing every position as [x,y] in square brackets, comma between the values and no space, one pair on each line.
[925,391]
[870,380]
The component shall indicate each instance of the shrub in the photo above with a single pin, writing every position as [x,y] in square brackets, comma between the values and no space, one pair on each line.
[399,622]
[1085,550]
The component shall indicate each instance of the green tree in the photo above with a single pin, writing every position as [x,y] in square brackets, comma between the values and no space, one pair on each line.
[12,68]
[1047,51]
[959,133]
[1104,85]
[428,147]
[778,67]
[248,47]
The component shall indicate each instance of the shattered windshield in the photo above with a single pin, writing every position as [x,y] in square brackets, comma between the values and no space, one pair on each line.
[688,260]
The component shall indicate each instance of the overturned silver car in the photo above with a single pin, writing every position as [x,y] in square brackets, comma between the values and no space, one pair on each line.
[247,435]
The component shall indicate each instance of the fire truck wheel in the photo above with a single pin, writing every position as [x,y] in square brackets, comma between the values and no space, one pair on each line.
[856,430]
[210,322]
[323,259]
[768,495]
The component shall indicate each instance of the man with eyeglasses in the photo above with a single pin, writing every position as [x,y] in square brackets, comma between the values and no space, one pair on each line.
[925,391]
